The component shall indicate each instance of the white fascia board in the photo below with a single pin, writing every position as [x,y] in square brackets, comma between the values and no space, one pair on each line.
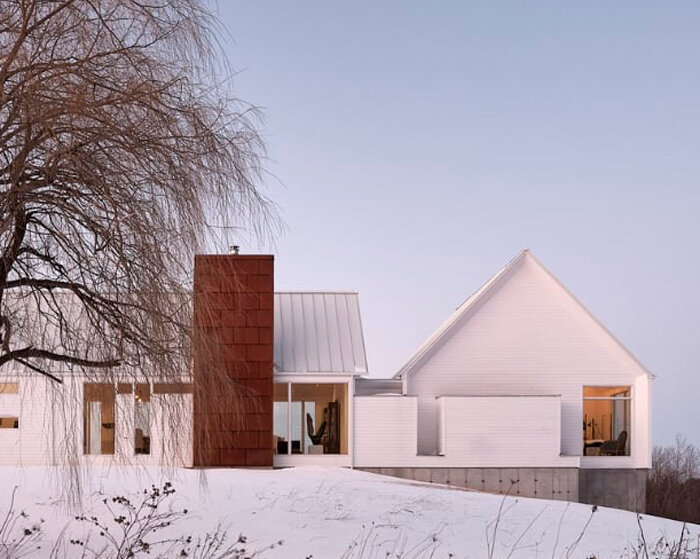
[314,378]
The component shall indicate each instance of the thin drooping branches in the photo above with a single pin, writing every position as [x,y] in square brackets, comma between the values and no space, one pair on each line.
[118,145]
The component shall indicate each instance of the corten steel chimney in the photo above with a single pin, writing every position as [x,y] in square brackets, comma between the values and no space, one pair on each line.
[233,360]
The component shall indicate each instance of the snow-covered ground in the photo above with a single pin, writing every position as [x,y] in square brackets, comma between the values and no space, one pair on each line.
[338,513]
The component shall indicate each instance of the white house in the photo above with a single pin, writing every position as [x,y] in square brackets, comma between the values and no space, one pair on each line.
[521,390]
[520,384]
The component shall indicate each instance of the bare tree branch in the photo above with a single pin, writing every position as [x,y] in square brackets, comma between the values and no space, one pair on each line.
[120,147]
[29,352]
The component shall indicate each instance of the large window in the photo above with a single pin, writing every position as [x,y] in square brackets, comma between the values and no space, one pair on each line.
[606,420]
[99,418]
[310,418]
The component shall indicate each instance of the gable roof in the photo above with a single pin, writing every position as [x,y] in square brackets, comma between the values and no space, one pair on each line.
[468,307]
[318,332]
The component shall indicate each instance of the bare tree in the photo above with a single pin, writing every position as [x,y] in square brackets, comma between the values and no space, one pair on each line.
[673,486]
[118,145]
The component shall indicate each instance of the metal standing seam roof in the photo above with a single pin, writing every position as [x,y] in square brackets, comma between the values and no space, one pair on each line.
[318,332]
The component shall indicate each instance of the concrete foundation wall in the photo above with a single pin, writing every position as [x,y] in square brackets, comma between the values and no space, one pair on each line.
[561,484]
[622,489]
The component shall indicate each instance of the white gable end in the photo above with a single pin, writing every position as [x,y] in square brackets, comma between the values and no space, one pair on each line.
[525,335]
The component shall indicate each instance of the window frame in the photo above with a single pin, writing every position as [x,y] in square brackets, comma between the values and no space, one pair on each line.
[626,388]
[345,412]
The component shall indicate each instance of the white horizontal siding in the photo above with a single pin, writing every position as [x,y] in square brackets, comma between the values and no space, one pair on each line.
[384,431]
[500,431]
[528,336]
[30,444]
[171,425]
[51,426]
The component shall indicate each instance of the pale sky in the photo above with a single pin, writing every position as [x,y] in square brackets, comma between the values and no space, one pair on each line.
[418,146]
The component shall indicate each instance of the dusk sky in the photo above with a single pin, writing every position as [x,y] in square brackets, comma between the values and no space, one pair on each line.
[416,147]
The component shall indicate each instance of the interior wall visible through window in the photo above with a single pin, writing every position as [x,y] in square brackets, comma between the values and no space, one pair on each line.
[7,391]
[9,422]
[99,418]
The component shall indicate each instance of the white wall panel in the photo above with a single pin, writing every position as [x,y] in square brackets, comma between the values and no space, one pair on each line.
[641,410]
[171,424]
[500,431]
[29,444]
[385,431]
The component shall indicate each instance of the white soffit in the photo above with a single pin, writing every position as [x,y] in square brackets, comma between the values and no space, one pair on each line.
[319,332]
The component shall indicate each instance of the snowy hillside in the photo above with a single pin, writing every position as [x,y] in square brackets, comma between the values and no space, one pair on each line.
[334,513]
